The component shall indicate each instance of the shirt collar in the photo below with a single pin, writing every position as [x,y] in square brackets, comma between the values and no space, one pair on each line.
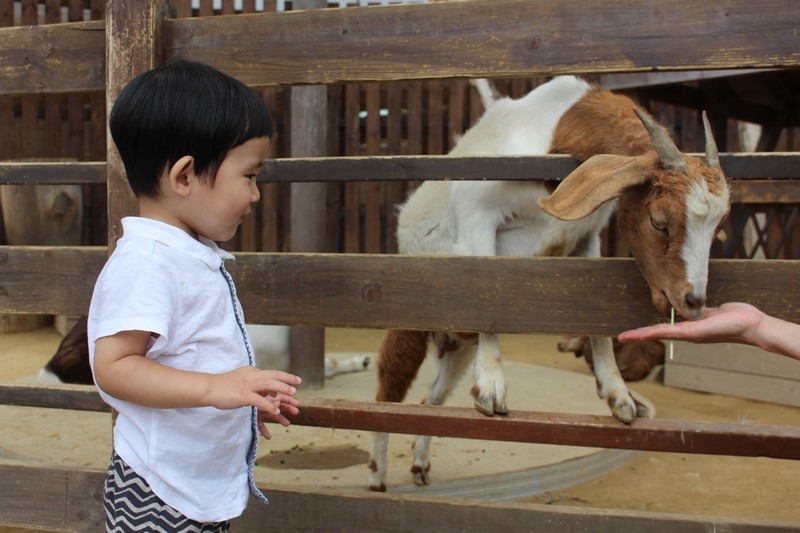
[203,249]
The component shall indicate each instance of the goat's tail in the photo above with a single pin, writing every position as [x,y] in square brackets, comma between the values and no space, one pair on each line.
[487,91]
[401,354]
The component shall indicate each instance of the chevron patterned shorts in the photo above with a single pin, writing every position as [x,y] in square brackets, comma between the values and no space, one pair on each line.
[130,505]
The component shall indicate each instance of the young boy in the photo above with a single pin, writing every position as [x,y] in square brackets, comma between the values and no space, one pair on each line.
[167,342]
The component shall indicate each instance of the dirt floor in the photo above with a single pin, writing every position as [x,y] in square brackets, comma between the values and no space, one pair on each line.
[731,487]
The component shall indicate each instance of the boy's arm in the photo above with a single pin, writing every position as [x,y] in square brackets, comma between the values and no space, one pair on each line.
[123,371]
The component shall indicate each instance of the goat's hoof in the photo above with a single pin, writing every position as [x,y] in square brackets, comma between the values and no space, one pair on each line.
[378,488]
[624,409]
[484,405]
[489,407]
[420,474]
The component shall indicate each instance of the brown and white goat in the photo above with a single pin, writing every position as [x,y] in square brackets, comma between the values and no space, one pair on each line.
[669,207]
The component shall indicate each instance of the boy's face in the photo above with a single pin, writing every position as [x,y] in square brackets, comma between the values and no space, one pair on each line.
[217,211]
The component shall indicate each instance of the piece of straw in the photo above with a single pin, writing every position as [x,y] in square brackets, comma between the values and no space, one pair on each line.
[672,323]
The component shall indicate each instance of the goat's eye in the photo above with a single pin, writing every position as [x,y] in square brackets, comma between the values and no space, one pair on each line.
[660,226]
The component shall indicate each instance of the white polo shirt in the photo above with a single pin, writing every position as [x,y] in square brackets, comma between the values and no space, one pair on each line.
[160,279]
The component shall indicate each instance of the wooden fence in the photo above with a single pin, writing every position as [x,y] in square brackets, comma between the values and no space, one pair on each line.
[442,41]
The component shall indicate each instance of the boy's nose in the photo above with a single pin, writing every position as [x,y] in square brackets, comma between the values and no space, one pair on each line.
[256,196]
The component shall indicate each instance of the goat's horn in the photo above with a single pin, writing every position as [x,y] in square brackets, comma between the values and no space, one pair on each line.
[669,154]
[712,155]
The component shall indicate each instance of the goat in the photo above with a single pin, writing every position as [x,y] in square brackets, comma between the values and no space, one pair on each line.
[670,206]
[635,360]
[70,363]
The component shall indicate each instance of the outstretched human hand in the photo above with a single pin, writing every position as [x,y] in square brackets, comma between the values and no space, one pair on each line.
[731,322]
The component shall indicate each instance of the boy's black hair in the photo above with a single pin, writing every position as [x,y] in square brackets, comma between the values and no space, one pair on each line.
[183,108]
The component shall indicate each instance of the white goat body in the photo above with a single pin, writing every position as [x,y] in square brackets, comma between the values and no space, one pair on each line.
[662,193]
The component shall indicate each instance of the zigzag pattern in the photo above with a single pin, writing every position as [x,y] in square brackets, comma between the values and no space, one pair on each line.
[130,505]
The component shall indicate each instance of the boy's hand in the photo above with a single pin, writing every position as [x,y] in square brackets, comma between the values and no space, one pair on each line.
[285,404]
[267,390]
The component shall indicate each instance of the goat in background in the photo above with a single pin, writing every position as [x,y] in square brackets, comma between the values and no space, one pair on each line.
[669,206]
[70,363]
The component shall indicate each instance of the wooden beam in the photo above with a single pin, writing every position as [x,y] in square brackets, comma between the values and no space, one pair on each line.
[134,45]
[502,294]
[57,498]
[490,38]
[52,58]
[567,429]
[677,436]
[773,166]
[739,166]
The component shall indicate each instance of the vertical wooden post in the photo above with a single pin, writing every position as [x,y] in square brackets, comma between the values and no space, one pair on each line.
[134,45]
[308,211]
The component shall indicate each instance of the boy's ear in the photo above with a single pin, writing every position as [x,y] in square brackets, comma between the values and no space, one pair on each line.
[181,174]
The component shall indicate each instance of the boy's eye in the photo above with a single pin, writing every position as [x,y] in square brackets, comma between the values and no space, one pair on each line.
[252,177]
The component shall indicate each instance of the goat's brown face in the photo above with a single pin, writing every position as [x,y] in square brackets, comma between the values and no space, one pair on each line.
[670,222]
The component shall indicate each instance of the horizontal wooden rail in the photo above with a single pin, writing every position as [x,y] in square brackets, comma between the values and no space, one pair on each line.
[437,40]
[749,440]
[53,58]
[501,294]
[491,38]
[773,166]
[69,499]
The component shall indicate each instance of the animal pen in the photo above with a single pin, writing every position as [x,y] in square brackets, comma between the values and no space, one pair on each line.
[294,278]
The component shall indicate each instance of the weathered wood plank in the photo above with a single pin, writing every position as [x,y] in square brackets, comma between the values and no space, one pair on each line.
[491,38]
[53,498]
[737,166]
[76,397]
[52,58]
[47,497]
[679,436]
[783,167]
[447,39]
[52,280]
[544,295]
[134,45]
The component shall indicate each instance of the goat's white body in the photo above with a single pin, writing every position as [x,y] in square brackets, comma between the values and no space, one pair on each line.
[271,348]
[499,217]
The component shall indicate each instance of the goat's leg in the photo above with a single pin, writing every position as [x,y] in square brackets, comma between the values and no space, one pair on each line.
[400,356]
[489,390]
[452,365]
[610,385]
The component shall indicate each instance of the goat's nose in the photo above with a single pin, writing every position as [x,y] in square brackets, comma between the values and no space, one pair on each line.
[694,301]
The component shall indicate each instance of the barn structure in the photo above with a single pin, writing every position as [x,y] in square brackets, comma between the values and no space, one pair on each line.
[367,98]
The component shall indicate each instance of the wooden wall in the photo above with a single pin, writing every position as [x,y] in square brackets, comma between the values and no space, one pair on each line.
[422,52]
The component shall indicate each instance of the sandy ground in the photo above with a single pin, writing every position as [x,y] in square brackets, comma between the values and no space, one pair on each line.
[733,487]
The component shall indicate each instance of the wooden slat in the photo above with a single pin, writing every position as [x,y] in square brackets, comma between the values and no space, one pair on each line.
[511,295]
[568,429]
[491,38]
[446,39]
[53,173]
[737,166]
[57,498]
[544,295]
[680,436]
[52,58]
[76,397]
[772,167]
[134,45]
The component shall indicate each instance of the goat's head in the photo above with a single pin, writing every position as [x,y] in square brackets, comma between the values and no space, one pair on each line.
[671,207]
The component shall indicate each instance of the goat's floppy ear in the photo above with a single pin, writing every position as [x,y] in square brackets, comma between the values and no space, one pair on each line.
[599,179]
